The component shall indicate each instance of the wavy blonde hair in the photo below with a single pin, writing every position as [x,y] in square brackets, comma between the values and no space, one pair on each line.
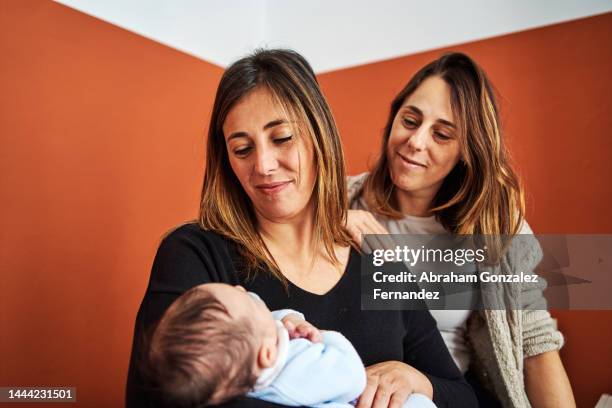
[482,194]
[225,207]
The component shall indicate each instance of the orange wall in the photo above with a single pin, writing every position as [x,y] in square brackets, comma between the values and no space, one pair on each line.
[101,135]
[102,149]
[556,104]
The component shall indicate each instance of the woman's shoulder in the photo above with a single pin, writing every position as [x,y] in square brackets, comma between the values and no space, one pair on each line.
[190,242]
[525,228]
[355,185]
[191,233]
[524,251]
[189,255]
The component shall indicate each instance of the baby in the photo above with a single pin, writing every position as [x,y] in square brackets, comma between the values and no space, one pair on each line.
[217,342]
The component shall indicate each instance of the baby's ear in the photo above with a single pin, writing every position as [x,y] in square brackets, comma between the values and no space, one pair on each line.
[267,354]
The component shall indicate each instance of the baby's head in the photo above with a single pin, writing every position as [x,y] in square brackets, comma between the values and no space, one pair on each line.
[211,345]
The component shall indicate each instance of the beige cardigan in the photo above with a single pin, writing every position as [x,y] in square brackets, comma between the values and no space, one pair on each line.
[502,339]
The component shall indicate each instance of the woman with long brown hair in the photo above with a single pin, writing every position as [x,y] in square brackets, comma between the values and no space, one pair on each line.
[271,219]
[444,169]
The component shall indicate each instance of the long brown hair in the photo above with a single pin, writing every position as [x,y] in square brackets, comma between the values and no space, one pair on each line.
[225,207]
[482,194]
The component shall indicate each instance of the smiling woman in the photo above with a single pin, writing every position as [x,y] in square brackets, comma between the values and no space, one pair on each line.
[274,152]
[444,168]
[426,114]
[273,165]
[272,219]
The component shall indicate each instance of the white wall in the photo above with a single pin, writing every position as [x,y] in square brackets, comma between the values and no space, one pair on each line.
[215,30]
[331,34]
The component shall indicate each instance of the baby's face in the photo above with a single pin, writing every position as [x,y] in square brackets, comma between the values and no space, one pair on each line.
[240,304]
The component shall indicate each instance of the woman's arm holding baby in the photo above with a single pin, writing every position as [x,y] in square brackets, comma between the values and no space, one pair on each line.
[186,258]
[427,369]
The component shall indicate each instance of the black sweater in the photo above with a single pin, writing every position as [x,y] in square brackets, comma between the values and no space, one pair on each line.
[190,256]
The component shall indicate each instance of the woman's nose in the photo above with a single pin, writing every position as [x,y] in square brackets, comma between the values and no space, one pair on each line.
[418,139]
[265,161]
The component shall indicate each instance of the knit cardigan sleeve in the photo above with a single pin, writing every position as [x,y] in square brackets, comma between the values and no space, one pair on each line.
[539,329]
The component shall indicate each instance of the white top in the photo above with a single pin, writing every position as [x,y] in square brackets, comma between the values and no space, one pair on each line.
[451,323]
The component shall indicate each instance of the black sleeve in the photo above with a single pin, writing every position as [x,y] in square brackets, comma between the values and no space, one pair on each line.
[186,258]
[425,350]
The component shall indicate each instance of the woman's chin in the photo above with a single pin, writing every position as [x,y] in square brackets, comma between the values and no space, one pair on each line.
[279,213]
[407,182]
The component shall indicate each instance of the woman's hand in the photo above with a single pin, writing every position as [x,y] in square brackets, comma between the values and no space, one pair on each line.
[299,328]
[390,383]
[359,223]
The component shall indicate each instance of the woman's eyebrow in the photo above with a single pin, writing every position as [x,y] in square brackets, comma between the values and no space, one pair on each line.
[420,112]
[447,123]
[267,126]
[273,123]
[414,109]
[236,135]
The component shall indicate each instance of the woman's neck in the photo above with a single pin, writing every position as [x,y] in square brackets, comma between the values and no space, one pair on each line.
[295,235]
[302,258]
[416,204]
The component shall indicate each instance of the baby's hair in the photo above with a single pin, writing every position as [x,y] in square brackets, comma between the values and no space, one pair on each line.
[199,354]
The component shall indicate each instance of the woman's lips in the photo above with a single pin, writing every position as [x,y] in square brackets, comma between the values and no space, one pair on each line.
[272,188]
[410,164]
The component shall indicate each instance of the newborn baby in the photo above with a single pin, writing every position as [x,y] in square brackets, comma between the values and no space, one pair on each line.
[217,342]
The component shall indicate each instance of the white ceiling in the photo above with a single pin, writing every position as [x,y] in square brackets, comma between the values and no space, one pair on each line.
[331,34]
